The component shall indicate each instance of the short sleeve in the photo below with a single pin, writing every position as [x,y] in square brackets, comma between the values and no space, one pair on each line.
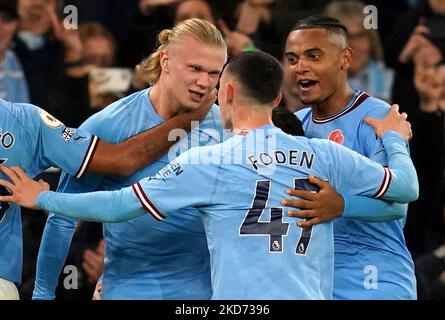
[67,148]
[181,184]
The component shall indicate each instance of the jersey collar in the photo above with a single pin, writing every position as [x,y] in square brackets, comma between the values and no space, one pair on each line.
[356,100]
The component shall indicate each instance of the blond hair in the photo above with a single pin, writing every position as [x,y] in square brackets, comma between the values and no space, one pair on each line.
[201,30]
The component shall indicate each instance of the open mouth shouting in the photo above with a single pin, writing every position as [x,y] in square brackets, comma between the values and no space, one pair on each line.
[306,85]
[196,96]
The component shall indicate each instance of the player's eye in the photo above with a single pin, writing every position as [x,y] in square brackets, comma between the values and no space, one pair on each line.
[292,60]
[313,56]
[195,68]
[214,74]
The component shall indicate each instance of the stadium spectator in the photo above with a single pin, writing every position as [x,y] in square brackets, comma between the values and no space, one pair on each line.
[75,96]
[367,71]
[188,9]
[39,50]
[138,32]
[416,49]
[13,86]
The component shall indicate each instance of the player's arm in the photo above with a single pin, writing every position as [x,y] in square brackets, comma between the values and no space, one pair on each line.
[328,204]
[77,151]
[365,208]
[56,239]
[115,206]
[169,190]
[127,157]
[398,183]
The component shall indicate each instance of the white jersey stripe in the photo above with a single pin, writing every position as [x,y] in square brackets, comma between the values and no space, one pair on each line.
[88,156]
[386,182]
[148,206]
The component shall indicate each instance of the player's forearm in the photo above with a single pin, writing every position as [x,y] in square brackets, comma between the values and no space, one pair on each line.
[370,209]
[404,185]
[127,157]
[101,206]
[53,251]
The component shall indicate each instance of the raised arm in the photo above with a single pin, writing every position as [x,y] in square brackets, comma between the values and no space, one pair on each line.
[172,182]
[400,183]
[127,157]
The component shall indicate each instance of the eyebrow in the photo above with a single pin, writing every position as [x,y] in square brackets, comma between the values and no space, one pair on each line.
[287,54]
[311,50]
[202,68]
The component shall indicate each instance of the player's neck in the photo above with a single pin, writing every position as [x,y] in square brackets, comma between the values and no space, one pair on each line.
[251,117]
[163,104]
[334,103]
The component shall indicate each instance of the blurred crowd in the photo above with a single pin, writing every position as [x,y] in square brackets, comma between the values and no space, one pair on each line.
[75,72]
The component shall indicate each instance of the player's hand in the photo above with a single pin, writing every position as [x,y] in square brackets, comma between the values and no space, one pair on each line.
[394,121]
[93,262]
[98,291]
[320,207]
[24,190]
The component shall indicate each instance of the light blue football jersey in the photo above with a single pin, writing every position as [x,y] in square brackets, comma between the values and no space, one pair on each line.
[34,140]
[256,250]
[142,260]
[371,258]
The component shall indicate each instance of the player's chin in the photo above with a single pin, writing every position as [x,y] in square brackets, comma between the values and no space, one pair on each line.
[309,100]
[190,106]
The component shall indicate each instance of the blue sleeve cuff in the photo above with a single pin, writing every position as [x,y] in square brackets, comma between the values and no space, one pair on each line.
[41,198]
[347,201]
[392,136]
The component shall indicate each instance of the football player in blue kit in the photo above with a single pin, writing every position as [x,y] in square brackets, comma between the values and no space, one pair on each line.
[34,140]
[184,71]
[256,250]
[371,257]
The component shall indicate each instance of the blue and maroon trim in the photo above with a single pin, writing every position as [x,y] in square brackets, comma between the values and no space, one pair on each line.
[146,203]
[357,101]
[385,184]
[88,156]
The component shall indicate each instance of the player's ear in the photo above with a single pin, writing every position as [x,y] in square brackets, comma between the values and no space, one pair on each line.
[346,57]
[277,100]
[163,60]
[230,92]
